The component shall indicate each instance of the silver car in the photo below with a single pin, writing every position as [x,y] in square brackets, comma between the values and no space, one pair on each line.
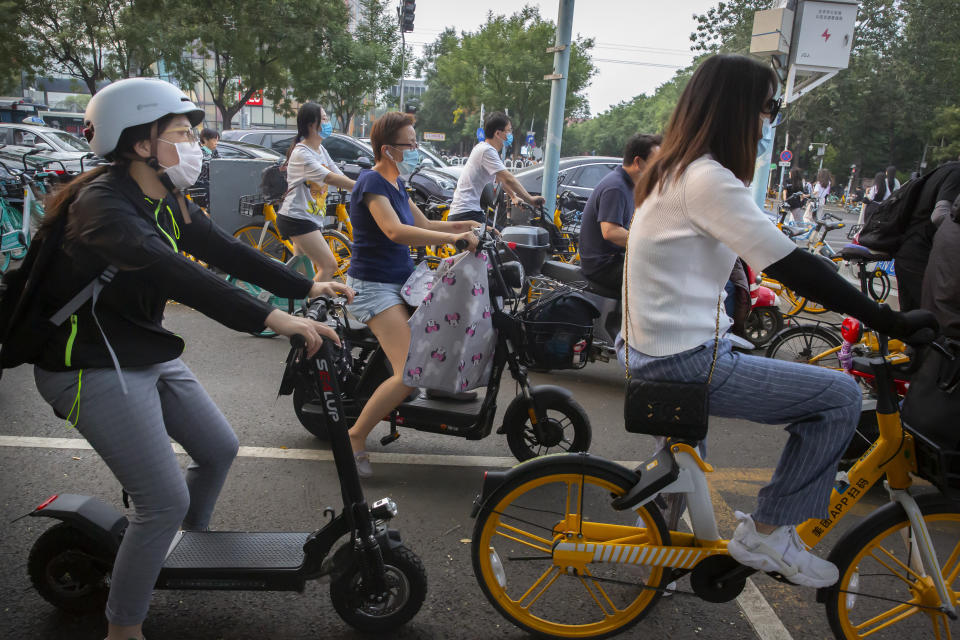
[47,143]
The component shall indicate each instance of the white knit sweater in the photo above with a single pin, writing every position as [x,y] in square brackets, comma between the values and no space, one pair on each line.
[683,242]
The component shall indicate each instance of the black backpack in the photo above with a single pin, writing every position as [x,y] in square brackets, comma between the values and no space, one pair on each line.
[273,182]
[18,340]
[24,330]
[885,223]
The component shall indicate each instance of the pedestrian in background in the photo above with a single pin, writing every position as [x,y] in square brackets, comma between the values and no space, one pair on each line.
[208,142]
[821,189]
[892,183]
[879,191]
[793,194]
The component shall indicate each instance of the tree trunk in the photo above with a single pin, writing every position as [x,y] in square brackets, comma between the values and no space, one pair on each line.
[227,113]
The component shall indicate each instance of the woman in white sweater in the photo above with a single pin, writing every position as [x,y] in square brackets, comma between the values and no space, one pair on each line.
[694,217]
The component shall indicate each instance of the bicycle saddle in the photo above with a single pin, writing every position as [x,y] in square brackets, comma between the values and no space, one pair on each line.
[792,232]
[860,253]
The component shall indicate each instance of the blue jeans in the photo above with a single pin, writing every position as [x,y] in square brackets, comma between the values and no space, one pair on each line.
[821,408]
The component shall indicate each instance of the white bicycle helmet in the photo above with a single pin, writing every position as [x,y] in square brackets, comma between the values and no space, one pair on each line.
[131,102]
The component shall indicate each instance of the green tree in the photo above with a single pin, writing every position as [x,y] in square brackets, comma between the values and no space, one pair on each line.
[502,66]
[357,66]
[946,131]
[90,40]
[250,48]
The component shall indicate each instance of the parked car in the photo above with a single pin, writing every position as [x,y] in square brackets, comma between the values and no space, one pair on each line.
[579,174]
[352,154]
[277,139]
[245,150]
[48,143]
[17,158]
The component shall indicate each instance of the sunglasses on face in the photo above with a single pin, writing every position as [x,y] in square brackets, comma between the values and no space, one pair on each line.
[772,107]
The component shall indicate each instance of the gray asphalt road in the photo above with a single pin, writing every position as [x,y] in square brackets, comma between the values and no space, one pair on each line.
[268,493]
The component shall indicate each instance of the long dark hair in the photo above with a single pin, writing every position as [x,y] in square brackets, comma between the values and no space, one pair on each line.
[718,113]
[309,113]
[891,176]
[796,179]
[824,178]
[58,202]
[880,182]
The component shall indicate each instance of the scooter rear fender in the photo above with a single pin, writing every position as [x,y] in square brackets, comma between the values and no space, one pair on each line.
[91,515]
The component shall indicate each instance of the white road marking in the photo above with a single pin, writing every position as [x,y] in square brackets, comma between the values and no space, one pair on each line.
[758,611]
[322,455]
[761,615]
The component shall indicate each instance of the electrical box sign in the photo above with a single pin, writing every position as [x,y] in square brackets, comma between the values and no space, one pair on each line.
[825,34]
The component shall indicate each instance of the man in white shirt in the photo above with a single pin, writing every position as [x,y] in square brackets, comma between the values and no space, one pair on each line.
[483,167]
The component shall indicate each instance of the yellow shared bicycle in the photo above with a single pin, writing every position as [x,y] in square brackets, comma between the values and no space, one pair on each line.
[574,546]
[266,237]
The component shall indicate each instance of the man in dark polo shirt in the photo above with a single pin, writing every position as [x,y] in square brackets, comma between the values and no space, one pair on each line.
[606,217]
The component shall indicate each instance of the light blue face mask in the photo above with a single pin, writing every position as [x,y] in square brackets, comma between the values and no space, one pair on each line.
[410,162]
[766,140]
[510,138]
[325,129]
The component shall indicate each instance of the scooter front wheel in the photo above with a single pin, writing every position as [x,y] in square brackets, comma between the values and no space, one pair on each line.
[563,428]
[406,590]
[70,570]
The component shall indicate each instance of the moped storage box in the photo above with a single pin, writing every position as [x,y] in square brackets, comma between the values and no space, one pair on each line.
[533,244]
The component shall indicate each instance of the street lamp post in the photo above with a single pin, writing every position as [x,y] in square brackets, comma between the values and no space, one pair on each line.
[821,150]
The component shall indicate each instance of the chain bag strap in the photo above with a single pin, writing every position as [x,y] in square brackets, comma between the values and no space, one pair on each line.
[658,408]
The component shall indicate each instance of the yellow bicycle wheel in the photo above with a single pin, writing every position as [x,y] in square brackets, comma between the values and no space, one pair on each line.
[883,591]
[342,250]
[561,498]
[272,245]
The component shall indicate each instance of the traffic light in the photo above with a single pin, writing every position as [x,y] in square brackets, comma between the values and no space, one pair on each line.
[407,8]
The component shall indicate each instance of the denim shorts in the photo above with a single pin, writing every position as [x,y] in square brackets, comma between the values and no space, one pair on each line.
[372,298]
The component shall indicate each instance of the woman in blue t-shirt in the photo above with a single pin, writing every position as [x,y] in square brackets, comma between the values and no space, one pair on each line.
[386,223]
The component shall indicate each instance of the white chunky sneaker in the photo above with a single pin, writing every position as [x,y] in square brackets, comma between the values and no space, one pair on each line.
[782,551]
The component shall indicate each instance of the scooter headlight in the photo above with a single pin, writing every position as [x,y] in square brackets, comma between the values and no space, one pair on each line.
[384,509]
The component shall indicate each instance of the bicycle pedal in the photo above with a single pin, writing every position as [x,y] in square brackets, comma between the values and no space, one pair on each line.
[390,437]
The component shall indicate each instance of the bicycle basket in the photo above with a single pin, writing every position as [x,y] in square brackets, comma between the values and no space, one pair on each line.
[549,343]
[252,205]
[937,464]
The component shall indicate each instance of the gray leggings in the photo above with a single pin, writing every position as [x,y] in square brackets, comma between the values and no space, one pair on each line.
[132,434]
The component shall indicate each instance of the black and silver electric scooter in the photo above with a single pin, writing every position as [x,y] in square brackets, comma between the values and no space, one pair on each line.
[377,584]
[541,419]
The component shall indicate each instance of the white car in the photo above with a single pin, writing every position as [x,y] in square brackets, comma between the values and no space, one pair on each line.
[47,143]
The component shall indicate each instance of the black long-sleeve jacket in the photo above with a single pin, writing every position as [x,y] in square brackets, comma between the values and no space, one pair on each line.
[111,221]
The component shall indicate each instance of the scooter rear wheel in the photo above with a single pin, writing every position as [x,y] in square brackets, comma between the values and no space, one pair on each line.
[70,570]
[407,585]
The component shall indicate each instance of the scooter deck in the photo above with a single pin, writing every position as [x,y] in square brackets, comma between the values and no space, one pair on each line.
[236,550]
[234,560]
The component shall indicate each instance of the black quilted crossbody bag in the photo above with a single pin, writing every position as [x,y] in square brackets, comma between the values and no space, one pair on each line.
[673,409]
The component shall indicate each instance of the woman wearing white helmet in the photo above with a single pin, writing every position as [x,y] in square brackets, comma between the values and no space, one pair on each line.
[113,370]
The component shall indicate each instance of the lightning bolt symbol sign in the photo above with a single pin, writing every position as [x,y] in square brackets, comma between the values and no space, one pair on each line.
[825,35]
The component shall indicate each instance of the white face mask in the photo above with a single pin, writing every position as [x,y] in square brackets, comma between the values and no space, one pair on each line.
[185,173]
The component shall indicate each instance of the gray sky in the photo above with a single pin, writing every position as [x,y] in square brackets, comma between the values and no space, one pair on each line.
[650,32]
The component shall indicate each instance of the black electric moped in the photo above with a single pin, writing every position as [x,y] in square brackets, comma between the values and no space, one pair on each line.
[377,584]
[541,419]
